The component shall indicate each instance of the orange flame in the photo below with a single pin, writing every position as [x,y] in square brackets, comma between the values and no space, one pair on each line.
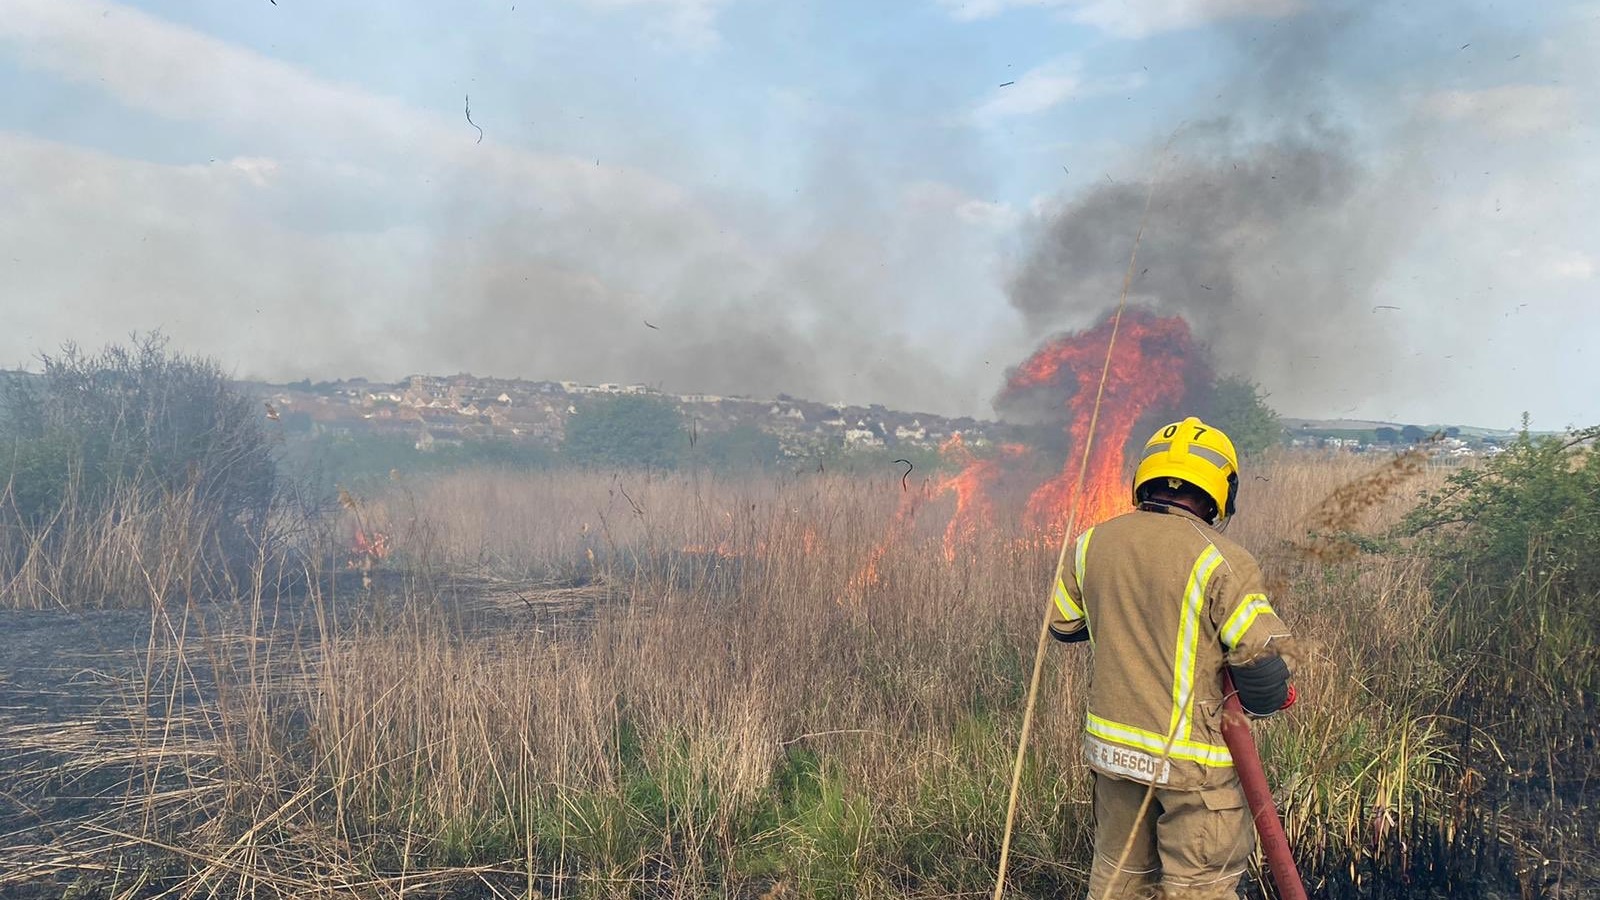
[973,487]
[1151,362]
[1150,369]
[905,515]
[372,549]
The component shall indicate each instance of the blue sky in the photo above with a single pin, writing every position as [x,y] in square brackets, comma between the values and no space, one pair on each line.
[825,198]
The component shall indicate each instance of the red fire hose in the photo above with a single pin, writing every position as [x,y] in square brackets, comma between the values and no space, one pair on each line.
[1247,762]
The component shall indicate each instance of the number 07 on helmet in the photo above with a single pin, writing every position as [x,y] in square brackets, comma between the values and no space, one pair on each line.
[1191,451]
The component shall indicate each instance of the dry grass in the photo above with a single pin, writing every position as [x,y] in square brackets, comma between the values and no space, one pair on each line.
[737,711]
[96,555]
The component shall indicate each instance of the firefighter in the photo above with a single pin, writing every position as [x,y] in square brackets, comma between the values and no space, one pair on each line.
[1166,601]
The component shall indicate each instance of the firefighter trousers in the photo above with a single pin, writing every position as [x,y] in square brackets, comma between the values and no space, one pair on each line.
[1188,845]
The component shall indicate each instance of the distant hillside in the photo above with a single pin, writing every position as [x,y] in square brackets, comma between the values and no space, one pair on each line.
[1293,425]
[1359,436]
[435,410]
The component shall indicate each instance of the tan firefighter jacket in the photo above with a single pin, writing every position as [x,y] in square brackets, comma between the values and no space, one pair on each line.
[1164,597]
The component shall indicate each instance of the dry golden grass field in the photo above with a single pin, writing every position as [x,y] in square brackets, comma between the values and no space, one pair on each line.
[687,685]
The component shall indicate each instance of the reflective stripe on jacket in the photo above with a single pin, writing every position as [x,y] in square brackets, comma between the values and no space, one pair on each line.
[1165,597]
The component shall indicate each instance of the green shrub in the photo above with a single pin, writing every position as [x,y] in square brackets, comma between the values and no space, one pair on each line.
[134,452]
[360,460]
[1532,511]
[740,448]
[626,431]
[1237,406]
[141,414]
[1517,590]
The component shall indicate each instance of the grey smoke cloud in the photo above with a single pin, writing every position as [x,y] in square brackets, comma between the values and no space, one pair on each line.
[362,236]
[1272,248]
[1272,229]
[261,210]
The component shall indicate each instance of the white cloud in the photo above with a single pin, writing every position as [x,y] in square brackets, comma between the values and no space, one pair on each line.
[1140,18]
[258,170]
[987,213]
[1036,91]
[178,73]
[1047,86]
[1513,109]
[1133,18]
[925,197]
[690,22]
[435,215]
[1570,265]
[972,10]
[1556,264]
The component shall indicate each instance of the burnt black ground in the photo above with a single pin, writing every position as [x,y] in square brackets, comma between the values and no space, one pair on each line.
[77,686]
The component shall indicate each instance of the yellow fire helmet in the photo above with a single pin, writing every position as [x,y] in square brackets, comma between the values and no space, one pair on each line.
[1195,452]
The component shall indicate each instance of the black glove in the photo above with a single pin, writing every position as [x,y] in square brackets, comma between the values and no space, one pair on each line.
[1070,637]
[1263,685]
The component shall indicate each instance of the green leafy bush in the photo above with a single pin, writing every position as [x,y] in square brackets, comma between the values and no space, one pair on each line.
[626,431]
[739,448]
[136,414]
[1237,406]
[360,460]
[1517,588]
[131,458]
[1530,513]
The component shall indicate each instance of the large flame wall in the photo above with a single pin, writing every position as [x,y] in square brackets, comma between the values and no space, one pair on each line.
[1150,363]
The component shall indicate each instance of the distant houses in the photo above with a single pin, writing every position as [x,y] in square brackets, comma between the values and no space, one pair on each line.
[1441,444]
[437,410]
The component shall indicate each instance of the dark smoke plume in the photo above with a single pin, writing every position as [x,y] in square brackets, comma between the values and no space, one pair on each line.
[1270,248]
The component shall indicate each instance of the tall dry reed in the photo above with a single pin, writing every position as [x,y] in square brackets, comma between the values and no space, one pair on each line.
[761,692]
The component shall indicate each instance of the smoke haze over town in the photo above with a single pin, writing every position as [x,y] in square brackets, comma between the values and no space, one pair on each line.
[1372,213]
